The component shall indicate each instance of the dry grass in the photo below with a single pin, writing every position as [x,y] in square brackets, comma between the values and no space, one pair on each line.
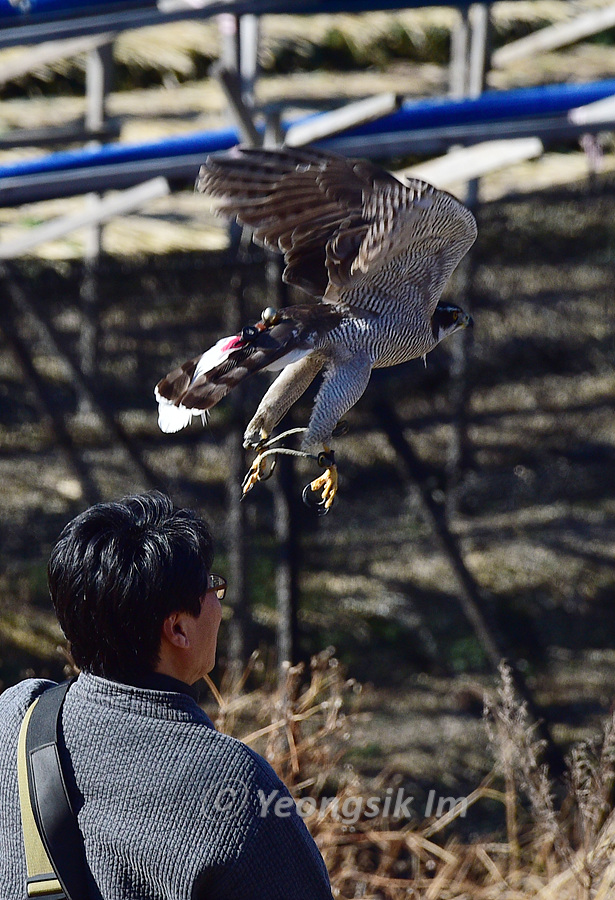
[556,840]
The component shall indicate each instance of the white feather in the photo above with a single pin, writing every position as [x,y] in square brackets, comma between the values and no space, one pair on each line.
[212,357]
[173,417]
[283,361]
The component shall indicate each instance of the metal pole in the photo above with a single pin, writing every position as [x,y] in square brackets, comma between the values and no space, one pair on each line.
[249,37]
[115,205]
[98,81]
[459,452]
[287,568]
[287,518]
[237,525]
[459,55]
[478,65]
[240,98]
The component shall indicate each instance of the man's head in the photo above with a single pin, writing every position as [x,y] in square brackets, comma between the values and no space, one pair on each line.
[119,572]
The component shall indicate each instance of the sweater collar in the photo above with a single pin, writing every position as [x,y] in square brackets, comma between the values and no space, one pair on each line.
[158,681]
[152,700]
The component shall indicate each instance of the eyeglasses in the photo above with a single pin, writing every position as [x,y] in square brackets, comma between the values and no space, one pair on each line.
[217,584]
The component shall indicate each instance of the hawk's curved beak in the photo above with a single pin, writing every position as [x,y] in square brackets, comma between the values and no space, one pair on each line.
[466,321]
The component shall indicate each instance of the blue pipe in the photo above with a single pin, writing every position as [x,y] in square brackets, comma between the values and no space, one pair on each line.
[198,142]
[489,107]
[53,8]
[26,9]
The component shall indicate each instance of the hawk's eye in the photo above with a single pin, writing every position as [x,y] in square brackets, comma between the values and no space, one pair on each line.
[455,315]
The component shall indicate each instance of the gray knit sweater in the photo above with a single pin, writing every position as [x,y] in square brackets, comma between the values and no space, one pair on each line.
[153,784]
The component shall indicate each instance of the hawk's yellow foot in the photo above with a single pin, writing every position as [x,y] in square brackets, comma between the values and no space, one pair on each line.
[325,483]
[328,482]
[260,470]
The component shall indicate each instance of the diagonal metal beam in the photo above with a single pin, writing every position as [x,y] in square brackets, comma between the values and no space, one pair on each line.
[555,36]
[230,82]
[102,211]
[47,53]
[327,125]
[466,163]
[600,112]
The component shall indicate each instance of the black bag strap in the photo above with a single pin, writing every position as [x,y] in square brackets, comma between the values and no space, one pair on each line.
[51,806]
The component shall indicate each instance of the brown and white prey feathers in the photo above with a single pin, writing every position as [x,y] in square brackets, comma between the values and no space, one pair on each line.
[200,383]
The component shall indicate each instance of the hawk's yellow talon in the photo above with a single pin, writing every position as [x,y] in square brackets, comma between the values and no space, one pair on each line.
[253,475]
[260,470]
[328,482]
[251,478]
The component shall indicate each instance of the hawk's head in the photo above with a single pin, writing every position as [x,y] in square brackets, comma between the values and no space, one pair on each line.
[447,319]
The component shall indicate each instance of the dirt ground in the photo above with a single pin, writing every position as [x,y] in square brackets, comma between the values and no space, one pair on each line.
[535,512]
[536,504]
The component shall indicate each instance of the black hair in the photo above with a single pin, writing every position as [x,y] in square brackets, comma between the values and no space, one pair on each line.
[118,570]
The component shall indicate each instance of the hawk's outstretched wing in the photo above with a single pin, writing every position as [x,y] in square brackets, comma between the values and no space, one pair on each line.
[350,231]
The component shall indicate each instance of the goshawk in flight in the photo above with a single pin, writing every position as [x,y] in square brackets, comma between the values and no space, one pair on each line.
[375,255]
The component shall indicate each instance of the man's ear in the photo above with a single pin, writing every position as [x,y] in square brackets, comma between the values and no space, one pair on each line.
[174,630]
